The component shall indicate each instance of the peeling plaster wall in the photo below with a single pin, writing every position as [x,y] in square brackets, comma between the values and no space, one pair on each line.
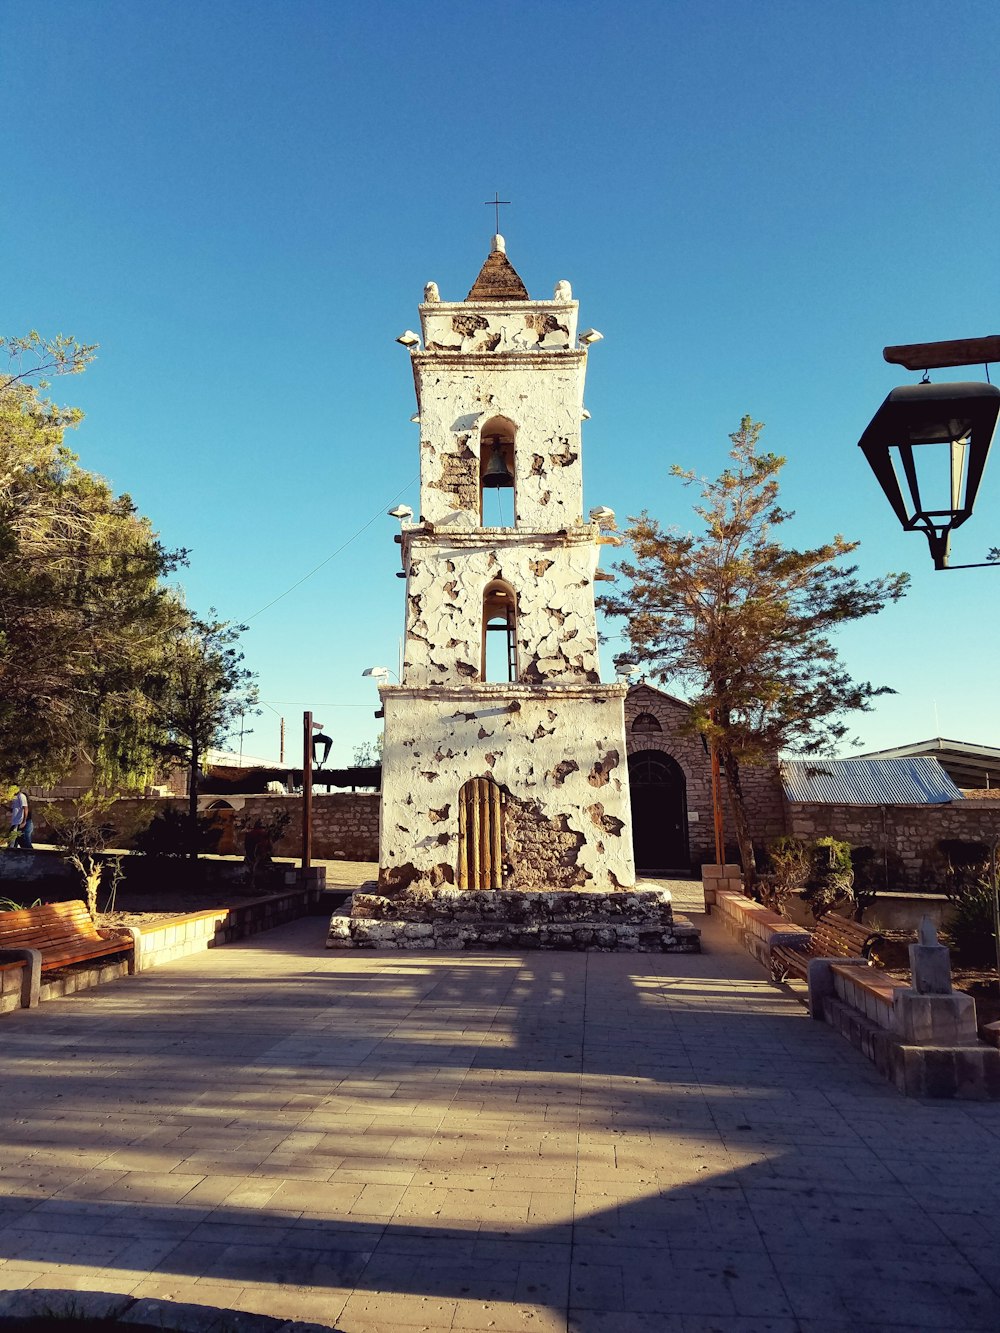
[552,577]
[541,394]
[557,750]
[491,326]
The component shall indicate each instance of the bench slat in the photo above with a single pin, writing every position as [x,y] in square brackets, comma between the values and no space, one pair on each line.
[62,932]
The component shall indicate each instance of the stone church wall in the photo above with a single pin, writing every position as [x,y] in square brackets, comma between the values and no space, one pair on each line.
[761,785]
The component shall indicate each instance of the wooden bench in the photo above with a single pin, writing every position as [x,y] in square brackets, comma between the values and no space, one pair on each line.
[833,937]
[57,935]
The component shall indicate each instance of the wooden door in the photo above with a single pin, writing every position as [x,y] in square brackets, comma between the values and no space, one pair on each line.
[480,835]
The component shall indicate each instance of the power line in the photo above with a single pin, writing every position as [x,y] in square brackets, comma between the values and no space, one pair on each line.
[298,583]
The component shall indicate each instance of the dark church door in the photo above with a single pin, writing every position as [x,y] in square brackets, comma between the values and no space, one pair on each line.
[659,812]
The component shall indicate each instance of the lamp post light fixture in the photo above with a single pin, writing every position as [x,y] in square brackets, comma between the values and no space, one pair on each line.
[928,443]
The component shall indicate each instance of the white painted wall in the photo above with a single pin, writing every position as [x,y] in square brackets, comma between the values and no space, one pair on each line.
[526,739]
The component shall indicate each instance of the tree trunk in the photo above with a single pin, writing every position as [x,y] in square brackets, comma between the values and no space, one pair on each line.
[748,860]
[193,803]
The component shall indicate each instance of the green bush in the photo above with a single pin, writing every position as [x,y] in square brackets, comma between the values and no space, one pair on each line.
[969,928]
[169,833]
[966,864]
[831,877]
[786,870]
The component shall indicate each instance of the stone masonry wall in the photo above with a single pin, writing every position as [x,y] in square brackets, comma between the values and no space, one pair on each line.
[912,832]
[345,824]
[761,785]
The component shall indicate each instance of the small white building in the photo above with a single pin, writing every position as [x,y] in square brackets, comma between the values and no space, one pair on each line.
[504,761]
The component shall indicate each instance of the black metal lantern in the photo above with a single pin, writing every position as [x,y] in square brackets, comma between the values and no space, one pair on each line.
[938,437]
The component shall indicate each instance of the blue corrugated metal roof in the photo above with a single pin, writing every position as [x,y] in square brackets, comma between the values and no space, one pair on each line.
[909,781]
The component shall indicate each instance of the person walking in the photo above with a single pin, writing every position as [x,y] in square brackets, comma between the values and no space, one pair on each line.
[21,824]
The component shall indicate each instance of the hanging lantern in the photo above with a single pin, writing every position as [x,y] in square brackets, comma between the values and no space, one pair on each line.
[927,445]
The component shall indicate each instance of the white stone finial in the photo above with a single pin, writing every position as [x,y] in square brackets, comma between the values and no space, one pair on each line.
[431,292]
[926,934]
[563,291]
[499,245]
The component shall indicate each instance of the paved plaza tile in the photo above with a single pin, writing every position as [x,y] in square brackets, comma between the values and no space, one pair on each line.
[571,1142]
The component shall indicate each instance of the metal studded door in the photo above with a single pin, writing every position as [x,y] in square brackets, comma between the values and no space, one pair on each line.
[659,812]
[480,835]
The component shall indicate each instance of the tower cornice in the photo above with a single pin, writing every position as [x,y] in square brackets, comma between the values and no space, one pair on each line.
[481,694]
[546,359]
[587,534]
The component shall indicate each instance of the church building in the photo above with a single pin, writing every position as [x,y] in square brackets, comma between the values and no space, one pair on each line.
[504,756]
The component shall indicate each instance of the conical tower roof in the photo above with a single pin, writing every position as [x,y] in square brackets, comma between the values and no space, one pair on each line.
[498,279]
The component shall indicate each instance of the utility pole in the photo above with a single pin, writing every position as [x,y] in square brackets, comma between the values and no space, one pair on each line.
[307,784]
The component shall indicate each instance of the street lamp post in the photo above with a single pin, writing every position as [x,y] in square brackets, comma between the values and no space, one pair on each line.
[928,443]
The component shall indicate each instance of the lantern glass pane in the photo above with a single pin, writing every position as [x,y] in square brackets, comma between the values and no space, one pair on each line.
[934,477]
[932,430]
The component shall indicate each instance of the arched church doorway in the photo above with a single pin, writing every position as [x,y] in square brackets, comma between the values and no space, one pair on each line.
[659,812]
[480,835]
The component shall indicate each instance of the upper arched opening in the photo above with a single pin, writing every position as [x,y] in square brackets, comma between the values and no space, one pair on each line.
[496,473]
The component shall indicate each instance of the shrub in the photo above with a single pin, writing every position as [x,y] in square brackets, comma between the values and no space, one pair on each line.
[831,878]
[966,864]
[169,833]
[876,870]
[787,870]
[969,928]
[260,833]
[83,829]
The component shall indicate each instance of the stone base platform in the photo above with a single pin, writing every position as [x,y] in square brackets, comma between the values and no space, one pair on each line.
[641,920]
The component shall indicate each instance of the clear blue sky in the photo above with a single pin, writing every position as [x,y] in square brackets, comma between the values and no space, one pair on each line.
[241,202]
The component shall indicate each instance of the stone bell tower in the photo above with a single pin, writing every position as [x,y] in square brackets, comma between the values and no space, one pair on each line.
[504,761]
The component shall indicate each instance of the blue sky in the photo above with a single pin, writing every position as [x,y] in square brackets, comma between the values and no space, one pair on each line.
[241,202]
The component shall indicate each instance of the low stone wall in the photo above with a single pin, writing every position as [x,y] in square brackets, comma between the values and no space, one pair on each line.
[926,1044]
[82,976]
[11,985]
[717,879]
[755,926]
[905,911]
[164,941]
[448,918]
[911,833]
[345,824]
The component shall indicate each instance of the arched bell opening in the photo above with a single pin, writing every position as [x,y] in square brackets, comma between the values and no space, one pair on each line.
[659,812]
[496,473]
[499,649]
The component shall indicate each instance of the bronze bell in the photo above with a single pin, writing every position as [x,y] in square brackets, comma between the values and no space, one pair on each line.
[497,475]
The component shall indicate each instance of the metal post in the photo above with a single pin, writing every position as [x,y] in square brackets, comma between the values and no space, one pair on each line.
[281,742]
[307,787]
[996,904]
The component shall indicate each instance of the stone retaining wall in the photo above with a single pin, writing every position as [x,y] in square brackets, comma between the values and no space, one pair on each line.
[11,984]
[345,824]
[925,1044]
[909,832]
[176,937]
[447,918]
[165,941]
[755,926]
